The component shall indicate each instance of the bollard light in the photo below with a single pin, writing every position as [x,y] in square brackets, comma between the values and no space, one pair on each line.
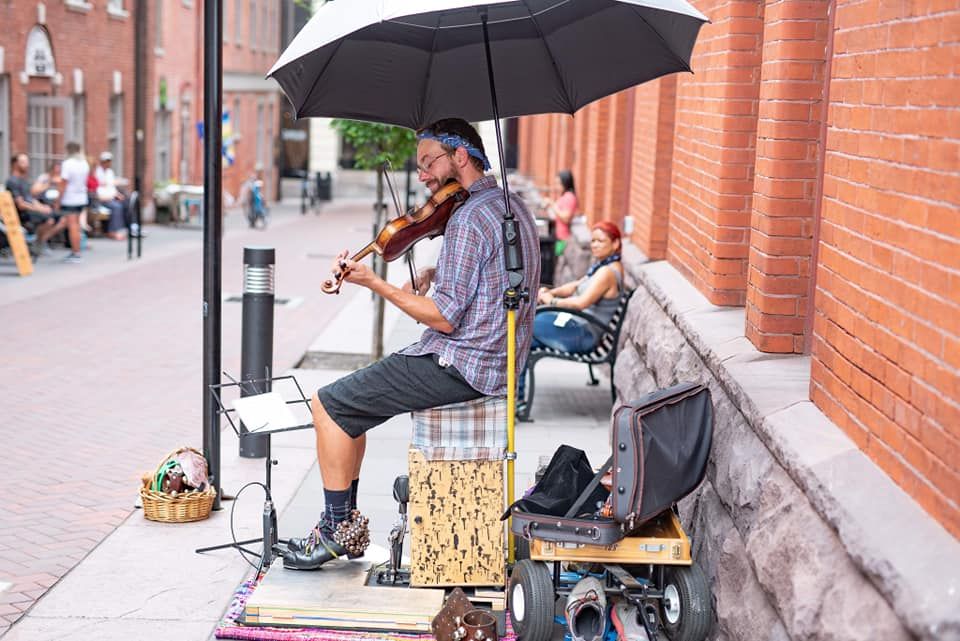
[256,342]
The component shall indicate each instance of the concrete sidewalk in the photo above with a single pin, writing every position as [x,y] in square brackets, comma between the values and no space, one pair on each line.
[144,580]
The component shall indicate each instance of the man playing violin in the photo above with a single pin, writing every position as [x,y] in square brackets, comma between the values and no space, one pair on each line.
[461,355]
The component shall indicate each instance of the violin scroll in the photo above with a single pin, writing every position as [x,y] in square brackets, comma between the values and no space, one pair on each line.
[332,285]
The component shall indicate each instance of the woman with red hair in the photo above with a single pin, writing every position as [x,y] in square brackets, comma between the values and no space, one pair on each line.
[597,293]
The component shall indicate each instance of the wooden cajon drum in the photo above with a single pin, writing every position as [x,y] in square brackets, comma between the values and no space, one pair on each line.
[456,494]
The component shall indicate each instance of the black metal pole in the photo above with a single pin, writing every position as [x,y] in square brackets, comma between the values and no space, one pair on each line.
[512,251]
[139,121]
[212,233]
[256,338]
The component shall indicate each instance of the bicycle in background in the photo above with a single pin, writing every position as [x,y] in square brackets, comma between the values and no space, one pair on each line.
[309,202]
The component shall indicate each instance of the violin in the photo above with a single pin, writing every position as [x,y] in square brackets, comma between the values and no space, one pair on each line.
[401,233]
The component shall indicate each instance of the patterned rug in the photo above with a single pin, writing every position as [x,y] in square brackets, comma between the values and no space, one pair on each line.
[230,629]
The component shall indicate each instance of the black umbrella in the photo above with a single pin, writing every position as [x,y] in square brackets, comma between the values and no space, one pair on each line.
[411,63]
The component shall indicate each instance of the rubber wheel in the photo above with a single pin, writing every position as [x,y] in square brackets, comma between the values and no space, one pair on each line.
[686,609]
[531,601]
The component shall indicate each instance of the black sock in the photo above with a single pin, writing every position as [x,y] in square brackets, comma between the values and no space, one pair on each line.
[337,506]
[353,493]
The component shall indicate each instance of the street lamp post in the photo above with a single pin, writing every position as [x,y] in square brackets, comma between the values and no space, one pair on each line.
[212,233]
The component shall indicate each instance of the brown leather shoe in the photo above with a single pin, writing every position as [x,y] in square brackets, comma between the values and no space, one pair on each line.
[349,538]
[299,544]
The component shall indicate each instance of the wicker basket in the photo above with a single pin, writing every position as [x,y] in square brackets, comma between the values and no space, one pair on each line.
[182,508]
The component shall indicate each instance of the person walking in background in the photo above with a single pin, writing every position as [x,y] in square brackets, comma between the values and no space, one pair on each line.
[75,171]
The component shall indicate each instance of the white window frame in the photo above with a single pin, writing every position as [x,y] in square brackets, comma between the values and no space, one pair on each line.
[158,28]
[115,131]
[238,22]
[236,118]
[162,143]
[115,9]
[49,129]
[271,128]
[80,119]
[252,33]
[78,5]
[260,134]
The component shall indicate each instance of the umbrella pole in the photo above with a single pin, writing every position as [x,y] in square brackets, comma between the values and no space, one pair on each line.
[513,262]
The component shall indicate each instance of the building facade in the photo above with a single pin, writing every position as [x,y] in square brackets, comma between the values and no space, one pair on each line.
[66,74]
[175,93]
[806,178]
[251,104]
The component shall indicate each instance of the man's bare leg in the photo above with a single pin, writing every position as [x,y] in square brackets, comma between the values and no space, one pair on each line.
[338,454]
[361,442]
[339,457]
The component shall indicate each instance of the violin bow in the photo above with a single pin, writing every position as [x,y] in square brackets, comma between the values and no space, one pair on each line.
[408,255]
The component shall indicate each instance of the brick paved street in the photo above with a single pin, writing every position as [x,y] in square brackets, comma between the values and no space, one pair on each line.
[102,376]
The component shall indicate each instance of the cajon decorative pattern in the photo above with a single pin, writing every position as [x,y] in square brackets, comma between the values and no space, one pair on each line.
[456,536]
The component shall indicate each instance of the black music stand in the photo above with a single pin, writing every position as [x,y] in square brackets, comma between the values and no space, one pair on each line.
[258,386]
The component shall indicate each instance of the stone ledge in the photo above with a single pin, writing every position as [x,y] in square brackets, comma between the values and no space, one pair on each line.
[913,565]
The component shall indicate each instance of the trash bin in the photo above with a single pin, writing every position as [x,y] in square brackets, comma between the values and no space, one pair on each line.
[548,250]
[324,186]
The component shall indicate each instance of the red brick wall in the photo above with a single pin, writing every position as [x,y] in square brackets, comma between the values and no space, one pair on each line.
[616,179]
[251,54]
[651,158]
[596,156]
[92,41]
[714,152]
[884,174]
[886,345]
[787,180]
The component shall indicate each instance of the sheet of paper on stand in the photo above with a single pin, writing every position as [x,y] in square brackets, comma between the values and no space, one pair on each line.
[265,412]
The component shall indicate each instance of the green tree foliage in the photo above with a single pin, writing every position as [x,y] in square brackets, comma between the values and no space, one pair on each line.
[376,143]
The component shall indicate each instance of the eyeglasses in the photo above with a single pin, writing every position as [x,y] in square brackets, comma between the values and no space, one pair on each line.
[425,169]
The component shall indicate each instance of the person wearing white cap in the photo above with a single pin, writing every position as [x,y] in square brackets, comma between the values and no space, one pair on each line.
[110,197]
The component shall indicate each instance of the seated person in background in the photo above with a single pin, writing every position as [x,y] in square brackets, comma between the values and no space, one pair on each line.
[110,197]
[597,293]
[34,214]
[563,209]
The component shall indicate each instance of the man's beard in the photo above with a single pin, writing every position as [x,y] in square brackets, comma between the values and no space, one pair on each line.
[442,181]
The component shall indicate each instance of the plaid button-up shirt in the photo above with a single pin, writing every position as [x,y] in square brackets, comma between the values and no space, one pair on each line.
[469,286]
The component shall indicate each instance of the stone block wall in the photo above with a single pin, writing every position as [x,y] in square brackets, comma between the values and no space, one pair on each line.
[779,568]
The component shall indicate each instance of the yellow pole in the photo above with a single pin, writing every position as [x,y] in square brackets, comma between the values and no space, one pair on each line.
[511,414]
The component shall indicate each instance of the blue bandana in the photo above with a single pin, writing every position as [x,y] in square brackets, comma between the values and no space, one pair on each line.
[601,263]
[453,140]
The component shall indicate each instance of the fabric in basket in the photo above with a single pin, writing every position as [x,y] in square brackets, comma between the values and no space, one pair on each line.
[475,430]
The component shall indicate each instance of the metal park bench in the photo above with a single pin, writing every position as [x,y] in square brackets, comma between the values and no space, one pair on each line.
[604,352]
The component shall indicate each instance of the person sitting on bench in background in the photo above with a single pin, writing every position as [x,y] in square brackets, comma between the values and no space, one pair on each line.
[597,293]
[110,197]
[34,214]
